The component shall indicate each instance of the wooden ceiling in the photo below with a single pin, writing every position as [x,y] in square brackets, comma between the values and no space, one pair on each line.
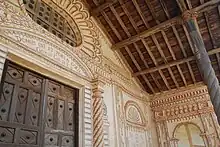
[152,40]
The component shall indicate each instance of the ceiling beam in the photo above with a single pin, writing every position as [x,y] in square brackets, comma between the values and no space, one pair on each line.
[173,63]
[202,8]
[101,7]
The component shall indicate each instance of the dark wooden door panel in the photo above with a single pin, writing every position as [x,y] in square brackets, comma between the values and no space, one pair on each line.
[35,111]
[60,120]
[20,107]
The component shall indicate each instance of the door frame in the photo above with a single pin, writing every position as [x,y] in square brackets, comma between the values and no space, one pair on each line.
[64,80]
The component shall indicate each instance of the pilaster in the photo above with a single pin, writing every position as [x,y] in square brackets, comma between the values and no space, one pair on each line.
[98,124]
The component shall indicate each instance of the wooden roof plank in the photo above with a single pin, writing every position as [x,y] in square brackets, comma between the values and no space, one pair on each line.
[111,25]
[155,62]
[152,11]
[102,7]
[173,56]
[191,72]
[120,21]
[165,60]
[146,65]
[128,15]
[138,67]
[173,63]
[129,68]
[140,13]
[202,8]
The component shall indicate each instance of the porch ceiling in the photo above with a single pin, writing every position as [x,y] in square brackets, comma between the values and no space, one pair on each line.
[150,37]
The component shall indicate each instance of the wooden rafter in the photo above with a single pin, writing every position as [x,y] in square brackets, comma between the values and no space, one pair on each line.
[146,65]
[202,8]
[173,63]
[120,21]
[102,7]
[155,63]
[128,15]
[140,13]
[165,60]
[111,25]
[139,68]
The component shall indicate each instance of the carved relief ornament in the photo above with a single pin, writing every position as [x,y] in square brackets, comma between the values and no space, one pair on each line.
[19,29]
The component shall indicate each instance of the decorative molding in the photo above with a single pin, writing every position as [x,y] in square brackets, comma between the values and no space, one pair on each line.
[184,105]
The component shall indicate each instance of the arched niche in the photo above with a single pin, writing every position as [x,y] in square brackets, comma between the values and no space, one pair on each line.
[188,135]
[133,114]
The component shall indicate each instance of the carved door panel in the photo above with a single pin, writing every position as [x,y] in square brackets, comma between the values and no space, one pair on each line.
[36,111]
[59,125]
[20,108]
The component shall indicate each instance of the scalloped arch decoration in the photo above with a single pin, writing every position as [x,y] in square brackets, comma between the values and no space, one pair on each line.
[89,33]
[133,113]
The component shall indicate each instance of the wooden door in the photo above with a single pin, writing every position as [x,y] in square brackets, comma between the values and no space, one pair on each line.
[60,126]
[36,111]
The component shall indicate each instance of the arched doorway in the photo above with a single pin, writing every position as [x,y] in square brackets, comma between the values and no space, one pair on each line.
[188,135]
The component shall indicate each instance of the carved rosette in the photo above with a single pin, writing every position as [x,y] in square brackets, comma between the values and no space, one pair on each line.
[98,124]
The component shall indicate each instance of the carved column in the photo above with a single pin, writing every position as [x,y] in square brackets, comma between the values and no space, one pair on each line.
[203,61]
[98,125]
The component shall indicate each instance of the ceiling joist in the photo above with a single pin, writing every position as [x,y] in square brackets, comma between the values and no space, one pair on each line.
[173,63]
[202,8]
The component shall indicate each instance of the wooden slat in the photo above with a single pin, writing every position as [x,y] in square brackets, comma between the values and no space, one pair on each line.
[165,60]
[138,67]
[174,58]
[152,10]
[155,62]
[120,21]
[146,33]
[209,27]
[202,8]
[128,15]
[111,25]
[102,7]
[173,63]
[129,68]
[140,13]
[146,65]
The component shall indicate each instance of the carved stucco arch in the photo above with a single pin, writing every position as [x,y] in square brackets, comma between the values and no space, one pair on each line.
[80,15]
[140,119]
[17,26]
[180,124]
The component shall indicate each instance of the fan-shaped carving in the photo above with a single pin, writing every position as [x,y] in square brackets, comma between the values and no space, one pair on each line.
[54,21]
[133,113]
